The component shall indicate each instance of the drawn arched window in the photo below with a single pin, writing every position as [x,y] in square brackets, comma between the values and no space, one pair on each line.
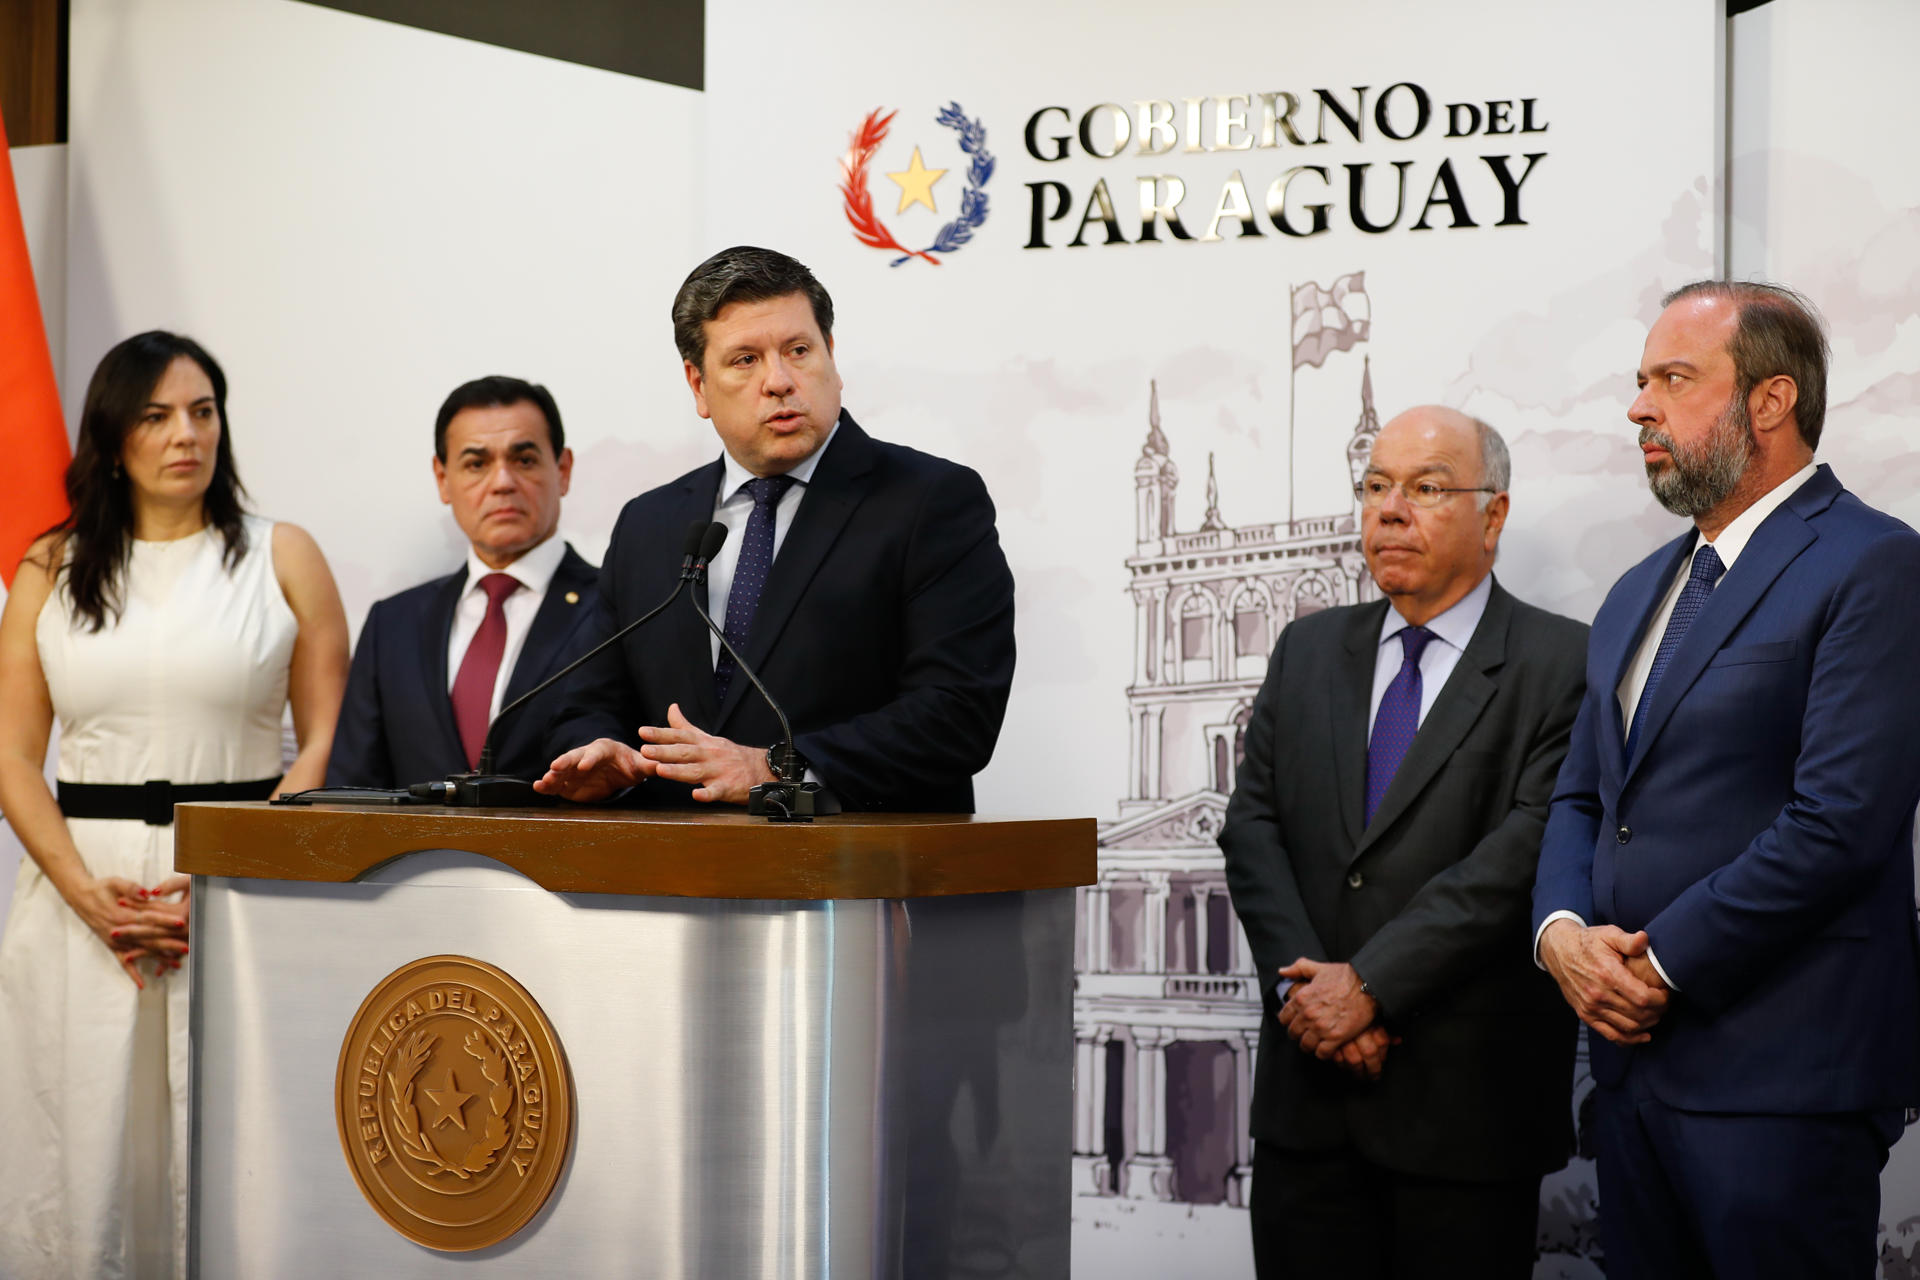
[1310,595]
[1196,638]
[1252,635]
[1241,719]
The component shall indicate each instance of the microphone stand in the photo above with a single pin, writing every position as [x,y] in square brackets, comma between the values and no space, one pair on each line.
[483,787]
[788,798]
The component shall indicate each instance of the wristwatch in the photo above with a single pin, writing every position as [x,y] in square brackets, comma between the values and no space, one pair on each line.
[774,754]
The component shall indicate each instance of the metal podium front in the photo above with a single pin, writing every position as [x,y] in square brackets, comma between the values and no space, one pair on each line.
[842,1050]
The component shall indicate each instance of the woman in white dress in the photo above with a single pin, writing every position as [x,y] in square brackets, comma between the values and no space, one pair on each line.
[167,630]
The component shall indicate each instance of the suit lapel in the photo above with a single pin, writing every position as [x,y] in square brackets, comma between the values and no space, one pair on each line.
[1621,646]
[434,638]
[1465,695]
[1350,697]
[837,487]
[1780,538]
[552,624]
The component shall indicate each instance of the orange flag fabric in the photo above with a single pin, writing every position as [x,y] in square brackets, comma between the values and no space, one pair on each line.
[33,433]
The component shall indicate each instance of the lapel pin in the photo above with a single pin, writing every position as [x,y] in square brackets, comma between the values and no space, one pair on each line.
[573,597]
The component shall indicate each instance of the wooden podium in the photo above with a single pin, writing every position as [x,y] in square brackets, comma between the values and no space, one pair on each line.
[830,1050]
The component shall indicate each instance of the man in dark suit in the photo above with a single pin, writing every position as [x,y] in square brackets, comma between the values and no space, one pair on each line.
[1413,1077]
[1726,885]
[864,581]
[437,662]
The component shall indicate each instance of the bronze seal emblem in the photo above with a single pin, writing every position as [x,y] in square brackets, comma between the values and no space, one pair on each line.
[454,1104]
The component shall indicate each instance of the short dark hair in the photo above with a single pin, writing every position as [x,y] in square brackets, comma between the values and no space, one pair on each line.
[741,274]
[1778,333]
[492,390]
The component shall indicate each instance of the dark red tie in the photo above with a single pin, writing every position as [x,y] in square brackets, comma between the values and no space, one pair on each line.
[473,687]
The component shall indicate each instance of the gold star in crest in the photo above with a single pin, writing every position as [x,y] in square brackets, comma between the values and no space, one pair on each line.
[916,184]
[448,1100]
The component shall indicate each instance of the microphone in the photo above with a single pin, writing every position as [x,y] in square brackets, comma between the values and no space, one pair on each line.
[483,786]
[786,798]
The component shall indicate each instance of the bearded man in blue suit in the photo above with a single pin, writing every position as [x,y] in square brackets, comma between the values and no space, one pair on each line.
[1725,892]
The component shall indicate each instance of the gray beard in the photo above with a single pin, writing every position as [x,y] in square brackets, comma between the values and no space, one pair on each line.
[1692,484]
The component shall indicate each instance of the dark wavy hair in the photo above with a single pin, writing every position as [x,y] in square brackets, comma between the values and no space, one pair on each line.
[743,273]
[97,535]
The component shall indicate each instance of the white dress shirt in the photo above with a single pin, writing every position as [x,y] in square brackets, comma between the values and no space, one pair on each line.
[1728,545]
[534,570]
[1451,632]
[731,507]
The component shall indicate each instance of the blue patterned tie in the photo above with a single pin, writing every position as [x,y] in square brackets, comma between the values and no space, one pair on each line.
[750,573]
[1397,720]
[1693,597]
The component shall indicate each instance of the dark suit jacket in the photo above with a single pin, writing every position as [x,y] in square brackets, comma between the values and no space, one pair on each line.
[1762,832]
[396,721]
[885,629]
[1429,903]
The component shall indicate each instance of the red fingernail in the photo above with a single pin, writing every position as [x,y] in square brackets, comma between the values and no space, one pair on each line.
[114,934]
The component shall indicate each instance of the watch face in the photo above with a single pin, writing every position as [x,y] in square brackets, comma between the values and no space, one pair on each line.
[797,772]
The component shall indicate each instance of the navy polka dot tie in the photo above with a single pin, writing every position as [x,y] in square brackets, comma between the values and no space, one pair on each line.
[1693,597]
[1397,720]
[750,574]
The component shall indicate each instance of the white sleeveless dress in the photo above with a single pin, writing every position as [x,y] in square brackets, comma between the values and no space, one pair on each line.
[188,686]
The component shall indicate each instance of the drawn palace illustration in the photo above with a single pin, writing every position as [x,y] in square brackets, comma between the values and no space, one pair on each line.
[1166,1011]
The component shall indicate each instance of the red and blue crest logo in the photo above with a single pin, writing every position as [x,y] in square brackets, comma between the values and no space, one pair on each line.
[916,183]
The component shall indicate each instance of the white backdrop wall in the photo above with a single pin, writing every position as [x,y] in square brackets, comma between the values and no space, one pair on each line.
[355,217]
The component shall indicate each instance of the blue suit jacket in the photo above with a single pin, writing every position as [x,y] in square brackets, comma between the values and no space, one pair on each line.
[396,721]
[1761,833]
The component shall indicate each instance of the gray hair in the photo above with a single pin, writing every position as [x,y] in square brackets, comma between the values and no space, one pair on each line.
[1496,464]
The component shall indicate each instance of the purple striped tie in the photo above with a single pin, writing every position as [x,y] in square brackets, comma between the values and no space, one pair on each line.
[1397,720]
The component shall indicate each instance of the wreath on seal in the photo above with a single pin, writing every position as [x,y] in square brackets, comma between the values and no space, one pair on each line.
[478,1157]
[857,200]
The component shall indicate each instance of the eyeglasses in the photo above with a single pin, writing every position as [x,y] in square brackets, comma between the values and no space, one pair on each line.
[1373,492]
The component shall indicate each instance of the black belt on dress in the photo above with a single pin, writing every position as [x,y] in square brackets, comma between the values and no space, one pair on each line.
[151,802]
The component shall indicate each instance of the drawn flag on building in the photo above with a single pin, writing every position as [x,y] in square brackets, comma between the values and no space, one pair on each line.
[1329,320]
[33,434]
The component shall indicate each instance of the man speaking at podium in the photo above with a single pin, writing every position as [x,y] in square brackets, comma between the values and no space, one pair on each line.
[864,581]
[437,662]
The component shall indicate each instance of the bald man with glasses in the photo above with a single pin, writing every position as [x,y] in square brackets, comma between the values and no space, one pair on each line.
[1413,1078]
